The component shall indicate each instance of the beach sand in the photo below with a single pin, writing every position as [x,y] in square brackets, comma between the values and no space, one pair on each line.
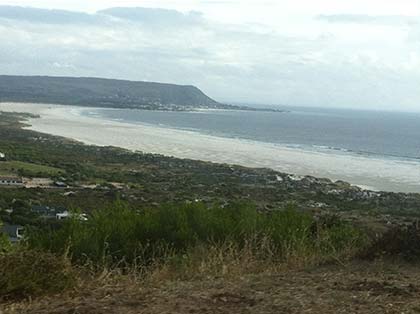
[371,173]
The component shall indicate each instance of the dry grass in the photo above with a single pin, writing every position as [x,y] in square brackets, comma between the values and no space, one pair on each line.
[357,288]
[178,262]
[229,278]
[27,273]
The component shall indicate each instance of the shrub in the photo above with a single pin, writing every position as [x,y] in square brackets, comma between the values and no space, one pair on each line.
[5,244]
[118,233]
[26,273]
[401,241]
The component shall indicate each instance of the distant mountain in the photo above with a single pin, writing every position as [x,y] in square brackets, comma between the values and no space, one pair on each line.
[99,92]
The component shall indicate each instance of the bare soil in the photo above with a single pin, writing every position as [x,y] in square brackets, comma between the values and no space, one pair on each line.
[362,287]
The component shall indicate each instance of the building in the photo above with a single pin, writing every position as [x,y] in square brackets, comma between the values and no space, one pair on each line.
[63,215]
[57,213]
[46,212]
[14,232]
[11,181]
[66,215]
[2,157]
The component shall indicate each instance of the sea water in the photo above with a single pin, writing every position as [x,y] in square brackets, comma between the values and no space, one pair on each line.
[338,131]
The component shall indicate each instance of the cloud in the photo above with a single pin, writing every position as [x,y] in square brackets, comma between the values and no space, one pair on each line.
[154,16]
[45,16]
[343,60]
[147,16]
[396,20]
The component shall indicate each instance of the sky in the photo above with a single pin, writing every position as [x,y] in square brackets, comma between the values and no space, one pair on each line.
[323,53]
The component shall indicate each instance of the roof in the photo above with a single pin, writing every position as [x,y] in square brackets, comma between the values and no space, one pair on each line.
[11,178]
[47,210]
[42,209]
[10,230]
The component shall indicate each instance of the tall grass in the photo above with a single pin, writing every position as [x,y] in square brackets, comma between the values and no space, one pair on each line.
[177,233]
[173,241]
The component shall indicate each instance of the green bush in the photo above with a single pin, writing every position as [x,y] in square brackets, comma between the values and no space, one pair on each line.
[5,244]
[118,233]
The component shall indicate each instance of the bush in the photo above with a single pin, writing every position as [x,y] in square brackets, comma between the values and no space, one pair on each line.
[5,244]
[118,233]
[401,241]
[26,273]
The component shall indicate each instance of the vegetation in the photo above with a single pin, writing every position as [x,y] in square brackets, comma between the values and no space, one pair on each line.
[147,180]
[119,233]
[28,169]
[151,216]
[186,240]
[5,245]
[102,93]
[25,273]
[400,241]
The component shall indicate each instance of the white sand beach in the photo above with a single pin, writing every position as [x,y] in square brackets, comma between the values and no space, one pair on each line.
[373,173]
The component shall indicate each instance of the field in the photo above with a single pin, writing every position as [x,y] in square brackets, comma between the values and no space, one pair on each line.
[27,169]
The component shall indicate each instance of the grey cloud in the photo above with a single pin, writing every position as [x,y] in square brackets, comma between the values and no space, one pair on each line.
[229,62]
[145,16]
[45,16]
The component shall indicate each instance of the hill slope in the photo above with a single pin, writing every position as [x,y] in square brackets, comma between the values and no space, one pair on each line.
[103,93]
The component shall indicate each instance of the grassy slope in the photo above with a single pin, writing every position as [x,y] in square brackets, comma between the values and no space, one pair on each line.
[15,167]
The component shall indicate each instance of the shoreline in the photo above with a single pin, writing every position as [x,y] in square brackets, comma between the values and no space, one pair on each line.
[365,172]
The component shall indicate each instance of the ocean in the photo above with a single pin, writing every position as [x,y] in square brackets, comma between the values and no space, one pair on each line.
[339,131]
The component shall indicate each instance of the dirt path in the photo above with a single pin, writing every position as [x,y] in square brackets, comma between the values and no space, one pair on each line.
[358,288]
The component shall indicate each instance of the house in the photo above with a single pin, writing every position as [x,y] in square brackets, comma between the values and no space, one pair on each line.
[66,214]
[14,232]
[63,215]
[45,212]
[2,156]
[58,213]
[11,181]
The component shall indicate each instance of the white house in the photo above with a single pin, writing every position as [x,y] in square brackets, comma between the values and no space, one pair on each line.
[2,156]
[66,214]
[11,181]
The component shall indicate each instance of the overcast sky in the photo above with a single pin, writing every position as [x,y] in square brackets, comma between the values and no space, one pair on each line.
[359,53]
